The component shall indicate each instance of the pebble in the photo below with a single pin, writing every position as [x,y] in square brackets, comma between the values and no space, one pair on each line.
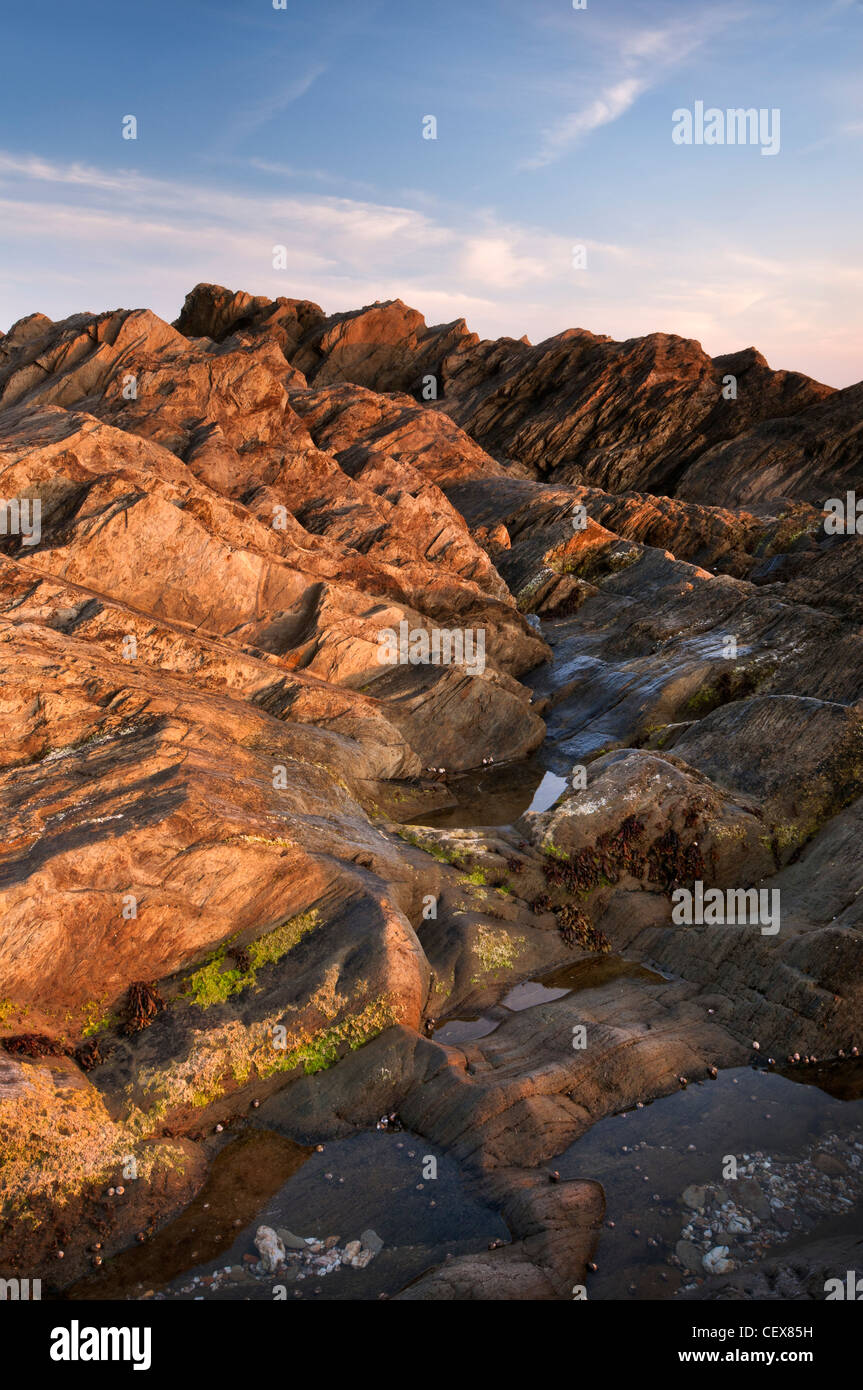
[716,1261]
[771,1199]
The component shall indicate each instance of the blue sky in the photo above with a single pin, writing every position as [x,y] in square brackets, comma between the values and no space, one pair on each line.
[303,127]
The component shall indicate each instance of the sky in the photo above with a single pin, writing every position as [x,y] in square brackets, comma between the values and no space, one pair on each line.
[303,127]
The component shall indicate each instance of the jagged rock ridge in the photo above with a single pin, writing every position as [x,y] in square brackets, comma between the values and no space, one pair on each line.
[209,778]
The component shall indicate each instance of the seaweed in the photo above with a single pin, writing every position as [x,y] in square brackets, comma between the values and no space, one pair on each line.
[143,1003]
[35,1045]
[576,928]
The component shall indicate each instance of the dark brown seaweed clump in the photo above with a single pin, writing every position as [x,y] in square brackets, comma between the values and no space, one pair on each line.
[143,1003]
[615,852]
[670,862]
[577,929]
[35,1045]
[89,1055]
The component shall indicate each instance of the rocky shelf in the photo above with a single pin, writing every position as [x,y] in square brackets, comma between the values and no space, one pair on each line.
[237,894]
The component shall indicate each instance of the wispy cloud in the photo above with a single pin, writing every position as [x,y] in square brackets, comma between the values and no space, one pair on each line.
[609,106]
[290,171]
[625,63]
[260,113]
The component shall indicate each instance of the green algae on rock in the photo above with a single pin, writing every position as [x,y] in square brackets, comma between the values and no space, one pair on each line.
[212,983]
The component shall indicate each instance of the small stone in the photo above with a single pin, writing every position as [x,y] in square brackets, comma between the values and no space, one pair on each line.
[716,1261]
[688,1254]
[829,1164]
[739,1225]
[289,1240]
[270,1248]
[372,1241]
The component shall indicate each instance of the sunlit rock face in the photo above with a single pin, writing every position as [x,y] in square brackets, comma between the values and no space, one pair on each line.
[277,585]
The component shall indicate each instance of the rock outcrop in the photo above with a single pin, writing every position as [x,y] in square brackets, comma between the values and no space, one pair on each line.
[278,605]
[654,414]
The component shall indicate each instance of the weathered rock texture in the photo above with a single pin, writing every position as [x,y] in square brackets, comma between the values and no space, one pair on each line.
[209,895]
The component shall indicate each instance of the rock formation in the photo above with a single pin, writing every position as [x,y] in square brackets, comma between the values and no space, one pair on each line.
[213,887]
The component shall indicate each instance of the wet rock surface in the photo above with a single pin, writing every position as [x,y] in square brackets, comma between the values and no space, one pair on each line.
[255,879]
[718,1181]
[381,1221]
